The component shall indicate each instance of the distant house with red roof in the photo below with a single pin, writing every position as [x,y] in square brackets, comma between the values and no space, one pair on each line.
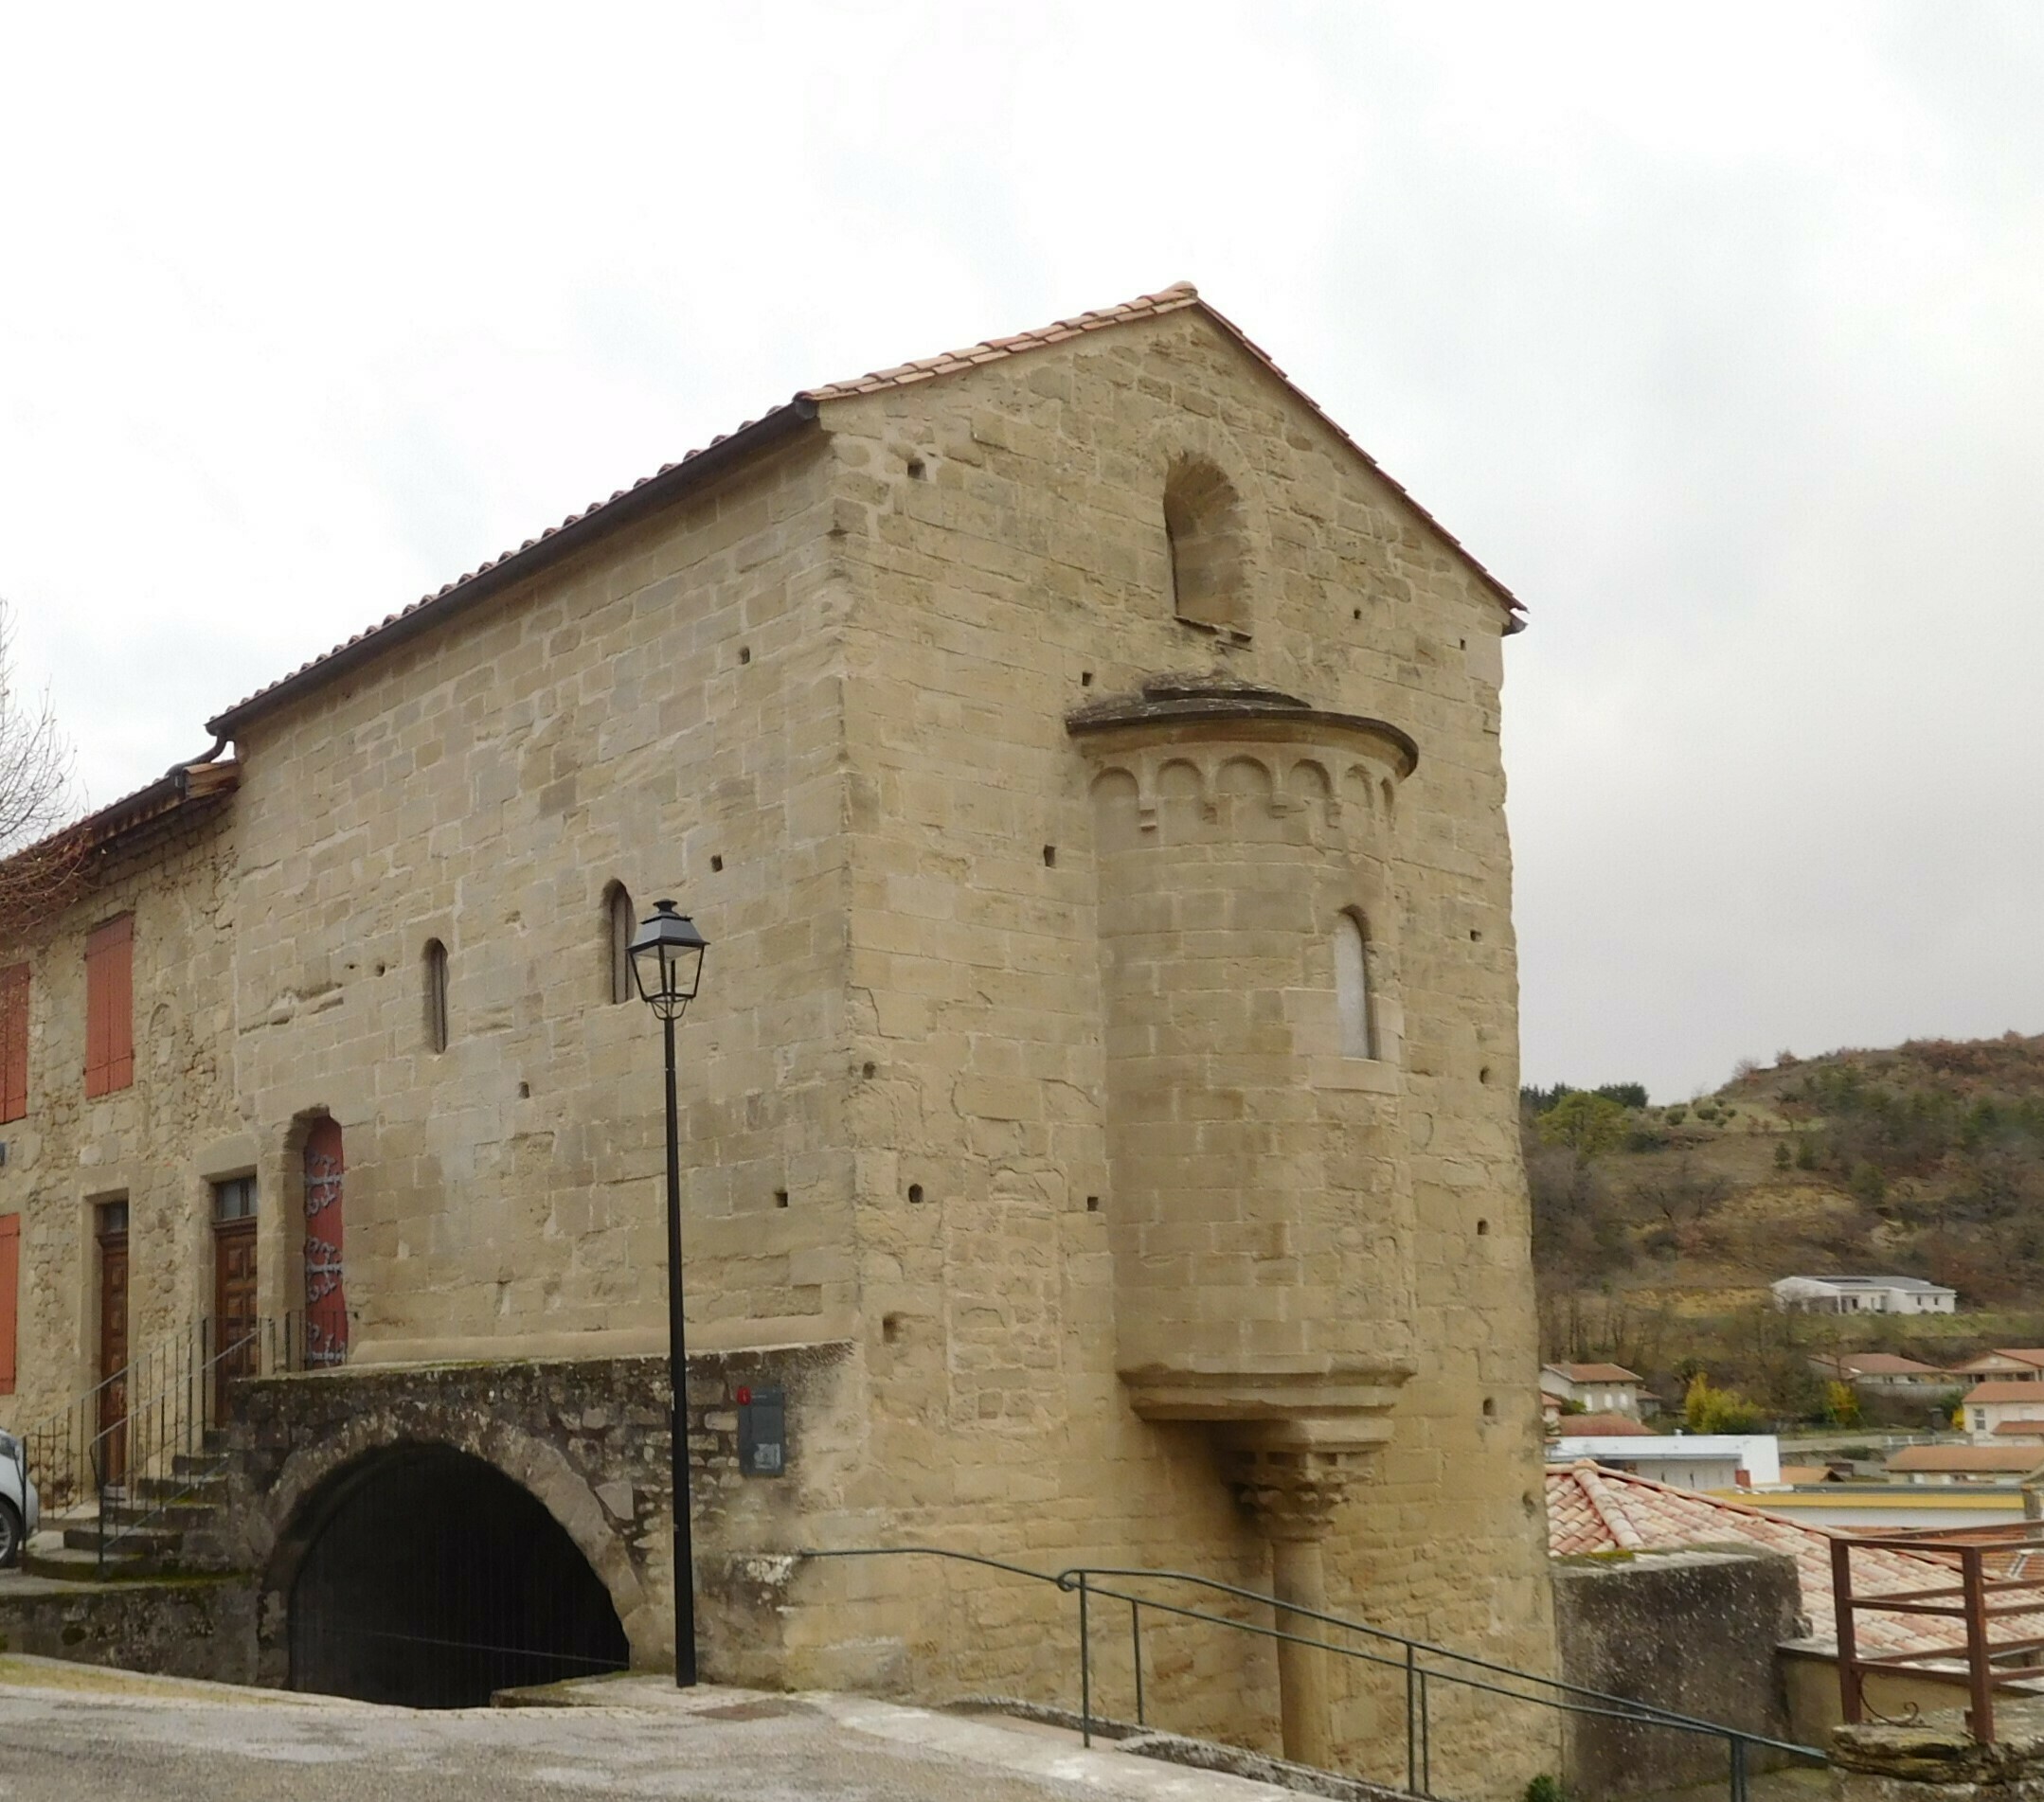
[1602,1388]
[1990,1405]
[1885,1372]
[2011,1364]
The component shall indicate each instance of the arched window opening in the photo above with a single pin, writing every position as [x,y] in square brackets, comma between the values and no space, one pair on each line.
[1352,999]
[617,909]
[1203,526]
[436,995]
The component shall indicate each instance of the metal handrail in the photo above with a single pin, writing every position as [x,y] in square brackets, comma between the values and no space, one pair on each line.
[168,1401]
[1571,1699]
[175,1420]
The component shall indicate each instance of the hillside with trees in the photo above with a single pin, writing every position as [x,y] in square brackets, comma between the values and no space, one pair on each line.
[1657,1230]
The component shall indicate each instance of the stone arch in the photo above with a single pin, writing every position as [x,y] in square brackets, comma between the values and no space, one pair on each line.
[1245,789]
[281,1530]
[1308,784]
[1181,792]
[1117,808]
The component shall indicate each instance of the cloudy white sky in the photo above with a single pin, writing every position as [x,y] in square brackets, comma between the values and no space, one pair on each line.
[1713,330]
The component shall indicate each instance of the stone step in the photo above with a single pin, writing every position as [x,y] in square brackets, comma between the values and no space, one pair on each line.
[179,1517]
[207,1463]
[77,1566]
[205,1486]
[140,1543]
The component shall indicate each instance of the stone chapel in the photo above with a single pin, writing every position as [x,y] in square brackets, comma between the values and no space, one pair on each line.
[1098,1117]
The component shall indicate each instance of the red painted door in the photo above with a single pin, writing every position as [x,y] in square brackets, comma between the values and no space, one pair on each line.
[325,1301]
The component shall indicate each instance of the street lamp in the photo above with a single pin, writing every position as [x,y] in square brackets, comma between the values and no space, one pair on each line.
[667,964]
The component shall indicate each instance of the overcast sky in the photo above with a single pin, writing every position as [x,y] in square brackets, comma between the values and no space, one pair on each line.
[1715,331]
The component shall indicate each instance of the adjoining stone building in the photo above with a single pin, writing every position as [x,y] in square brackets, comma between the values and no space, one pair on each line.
[1083,761]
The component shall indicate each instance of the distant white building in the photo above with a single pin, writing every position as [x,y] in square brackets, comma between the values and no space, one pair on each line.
[1863,1295]
[1683,1460]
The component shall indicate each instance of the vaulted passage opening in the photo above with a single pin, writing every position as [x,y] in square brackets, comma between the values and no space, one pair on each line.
[432,1580]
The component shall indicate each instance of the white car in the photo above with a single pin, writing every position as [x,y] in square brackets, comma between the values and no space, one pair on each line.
[20,1508]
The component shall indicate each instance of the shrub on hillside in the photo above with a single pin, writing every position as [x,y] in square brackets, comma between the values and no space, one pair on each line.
[1709,1409]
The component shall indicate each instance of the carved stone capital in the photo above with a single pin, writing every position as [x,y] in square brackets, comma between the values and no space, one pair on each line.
[1292,1495]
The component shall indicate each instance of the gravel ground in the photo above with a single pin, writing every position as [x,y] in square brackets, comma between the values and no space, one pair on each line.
[158,1741]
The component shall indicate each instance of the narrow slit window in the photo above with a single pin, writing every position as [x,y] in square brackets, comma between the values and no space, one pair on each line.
[1352,999]
[621,927]
[435,976]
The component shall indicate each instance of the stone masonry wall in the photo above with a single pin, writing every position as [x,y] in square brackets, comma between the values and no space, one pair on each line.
[70,1153]
[1009,563]
[661,711]
[1692,1631]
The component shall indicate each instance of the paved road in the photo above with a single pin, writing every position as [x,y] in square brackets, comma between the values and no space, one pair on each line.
[167,1746]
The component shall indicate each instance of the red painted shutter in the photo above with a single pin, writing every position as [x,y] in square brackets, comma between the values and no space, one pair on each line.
[14,1043]
[9,1283]
[110,1006]
[120,1010]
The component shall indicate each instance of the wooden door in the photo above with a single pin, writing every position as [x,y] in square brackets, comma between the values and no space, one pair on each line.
[325,1300]
[113,1429]
[234,1307]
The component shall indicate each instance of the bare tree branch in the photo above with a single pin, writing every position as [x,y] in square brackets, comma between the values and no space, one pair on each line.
[42,865]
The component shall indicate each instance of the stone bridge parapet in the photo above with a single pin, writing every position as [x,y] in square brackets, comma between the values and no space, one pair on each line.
[588,1438]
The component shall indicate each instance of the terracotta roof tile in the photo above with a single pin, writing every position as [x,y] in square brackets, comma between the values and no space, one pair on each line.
[1604,1426]
[1597,1373]
[2018,1390]
[1167,300]
[1979,1460]
[1883,1363]
[1592,1510]
[1988,1360]
[1171,299]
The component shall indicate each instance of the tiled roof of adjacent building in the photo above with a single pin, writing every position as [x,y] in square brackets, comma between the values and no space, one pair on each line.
[2017,1389]
[2020,1429]
[1987,1359]
[1596,1372]
[1590,1510]
[1604,1426]
[1967,1460]
[1883,1363]
[673,479]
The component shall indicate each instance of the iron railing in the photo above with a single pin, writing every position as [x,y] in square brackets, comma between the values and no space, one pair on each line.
[1989,1663]
[1424,1666]
[134,1423]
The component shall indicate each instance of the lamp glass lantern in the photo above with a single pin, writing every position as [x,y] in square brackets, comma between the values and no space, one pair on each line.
[667,960]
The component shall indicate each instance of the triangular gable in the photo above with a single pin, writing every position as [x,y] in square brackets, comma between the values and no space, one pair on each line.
[721,454]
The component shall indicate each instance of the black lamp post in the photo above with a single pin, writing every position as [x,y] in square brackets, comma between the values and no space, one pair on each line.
[667,964]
